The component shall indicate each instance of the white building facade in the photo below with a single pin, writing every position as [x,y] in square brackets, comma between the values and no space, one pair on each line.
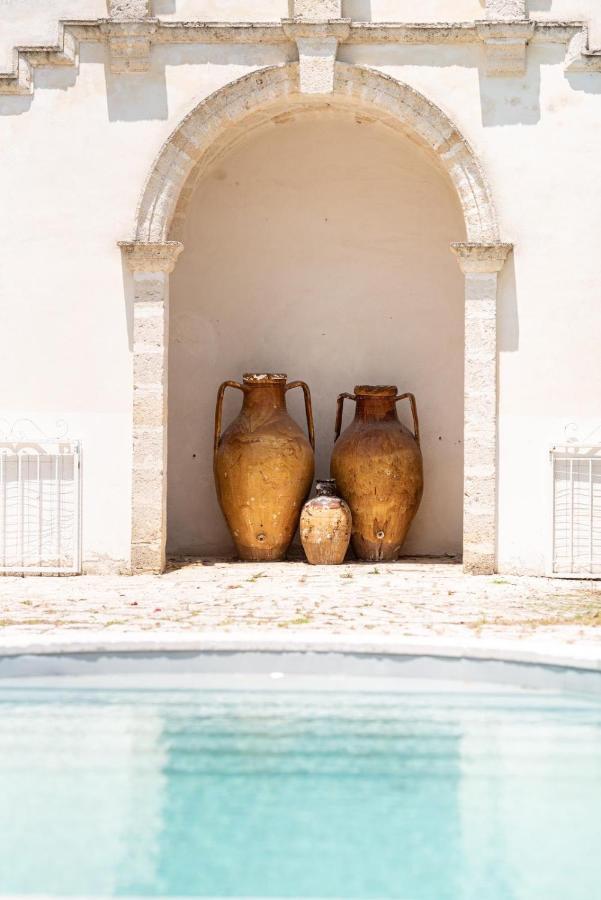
[350,192]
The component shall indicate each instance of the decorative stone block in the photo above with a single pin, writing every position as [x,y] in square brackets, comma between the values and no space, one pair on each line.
[473,257]
[147,256]
[505,46]
[317,9]
[317,44]
[129,9]
[129,43]
[506,9]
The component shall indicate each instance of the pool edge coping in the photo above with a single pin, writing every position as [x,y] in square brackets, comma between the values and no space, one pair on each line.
[544,653]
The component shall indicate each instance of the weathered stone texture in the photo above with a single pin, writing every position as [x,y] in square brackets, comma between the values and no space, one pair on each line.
[129,9]
[480,263]
[317,9]
[506,9]
[150,264]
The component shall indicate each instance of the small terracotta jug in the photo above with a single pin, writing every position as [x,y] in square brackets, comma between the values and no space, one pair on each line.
[263,466]
[325,526]
[377,464]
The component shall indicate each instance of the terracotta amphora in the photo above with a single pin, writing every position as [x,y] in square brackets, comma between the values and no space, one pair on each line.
[325,526]
[377,464]
[263,466]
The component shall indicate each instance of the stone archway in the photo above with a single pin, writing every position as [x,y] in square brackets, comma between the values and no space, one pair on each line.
[213,126]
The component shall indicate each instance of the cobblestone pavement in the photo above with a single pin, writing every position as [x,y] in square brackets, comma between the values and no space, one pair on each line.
[411,598]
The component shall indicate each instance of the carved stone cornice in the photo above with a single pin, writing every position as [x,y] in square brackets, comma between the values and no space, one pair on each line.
[481,258]
[130,40]
[142,256]
[339,29]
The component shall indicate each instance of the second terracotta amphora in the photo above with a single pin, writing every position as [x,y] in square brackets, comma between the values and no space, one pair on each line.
[377,464]
[263,466]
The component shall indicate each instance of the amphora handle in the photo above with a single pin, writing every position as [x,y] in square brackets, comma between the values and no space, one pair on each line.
[411,398]
[308,408]
[219,410]
[343,397]
[339,409]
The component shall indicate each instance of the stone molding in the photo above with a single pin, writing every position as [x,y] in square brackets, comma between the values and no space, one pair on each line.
[477,257]
[142,256]
[505,44]
[130,41]
[266,92]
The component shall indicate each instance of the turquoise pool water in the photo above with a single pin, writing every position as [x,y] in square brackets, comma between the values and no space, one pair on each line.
[418,794]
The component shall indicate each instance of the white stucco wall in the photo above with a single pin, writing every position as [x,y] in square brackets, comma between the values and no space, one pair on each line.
[74,157]
[318,247]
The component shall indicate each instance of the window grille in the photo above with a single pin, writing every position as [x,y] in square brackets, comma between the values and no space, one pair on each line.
[40,507]
[577,510]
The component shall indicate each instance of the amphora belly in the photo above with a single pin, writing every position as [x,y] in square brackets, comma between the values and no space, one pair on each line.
[263,466]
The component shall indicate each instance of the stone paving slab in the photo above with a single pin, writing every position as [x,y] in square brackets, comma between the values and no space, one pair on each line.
[407,599]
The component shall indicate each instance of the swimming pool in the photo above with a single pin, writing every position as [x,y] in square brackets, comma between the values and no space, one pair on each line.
[236,788]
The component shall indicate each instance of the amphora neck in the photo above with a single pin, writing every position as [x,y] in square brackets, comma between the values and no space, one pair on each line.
[325,487]
[376,403]
[264,391]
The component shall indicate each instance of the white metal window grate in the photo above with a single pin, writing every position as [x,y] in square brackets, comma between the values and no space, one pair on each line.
[40,507]
[577,510]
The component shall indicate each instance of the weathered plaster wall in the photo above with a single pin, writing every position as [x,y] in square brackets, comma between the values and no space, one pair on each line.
[318,247]
[74,157]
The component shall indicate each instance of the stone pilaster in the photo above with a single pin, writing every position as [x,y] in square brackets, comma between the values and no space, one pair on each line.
[317,41]
[150,265]
[480,264]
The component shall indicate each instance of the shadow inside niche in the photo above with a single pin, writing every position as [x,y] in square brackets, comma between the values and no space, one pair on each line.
[508,335]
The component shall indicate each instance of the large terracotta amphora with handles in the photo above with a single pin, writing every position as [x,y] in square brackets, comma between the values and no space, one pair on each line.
[263,466]
[377,464]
